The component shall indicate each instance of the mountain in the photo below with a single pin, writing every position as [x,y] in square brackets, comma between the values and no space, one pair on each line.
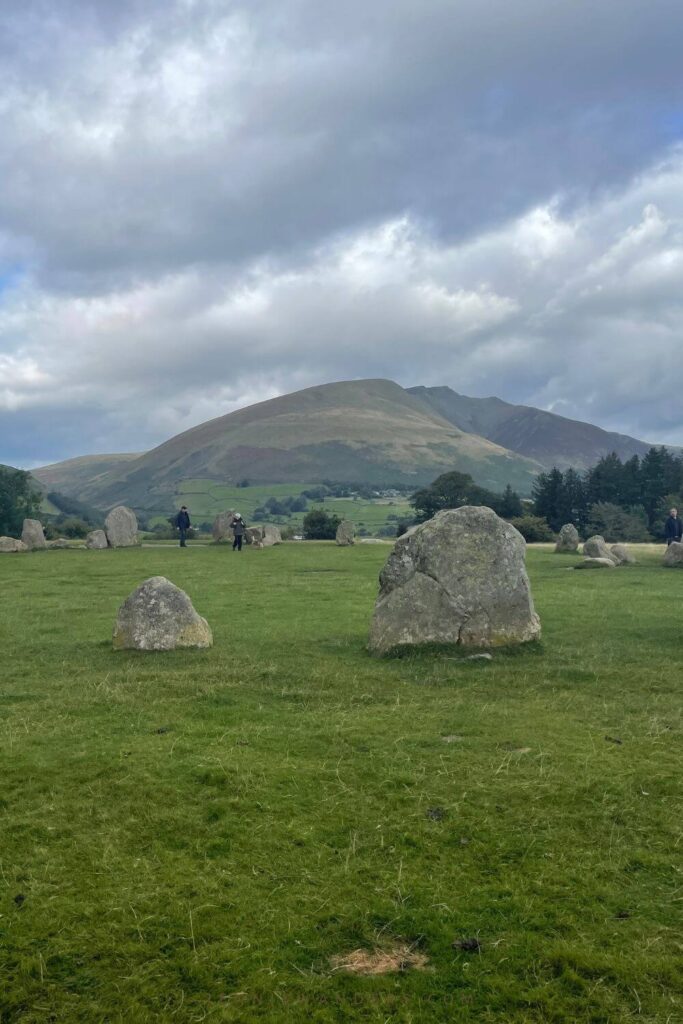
[72,475]
[369,431]
[546,438]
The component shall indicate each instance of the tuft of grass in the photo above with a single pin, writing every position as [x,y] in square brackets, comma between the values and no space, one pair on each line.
[198,835]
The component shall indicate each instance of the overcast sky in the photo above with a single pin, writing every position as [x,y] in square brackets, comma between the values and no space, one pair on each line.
[206,203]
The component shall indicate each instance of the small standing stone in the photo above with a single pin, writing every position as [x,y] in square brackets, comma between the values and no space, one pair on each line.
[595,547]
[159,616]
[673,556]
[97,540]
[121,527]
[568,539]
[271,536]
[222,526]
[622,554]
[345,534]
[32,535]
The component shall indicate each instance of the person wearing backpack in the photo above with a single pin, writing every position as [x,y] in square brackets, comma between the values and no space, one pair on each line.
[238,529]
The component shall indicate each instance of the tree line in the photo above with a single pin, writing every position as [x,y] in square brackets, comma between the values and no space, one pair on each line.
[622,500]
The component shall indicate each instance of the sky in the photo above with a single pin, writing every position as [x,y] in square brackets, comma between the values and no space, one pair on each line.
[205,203]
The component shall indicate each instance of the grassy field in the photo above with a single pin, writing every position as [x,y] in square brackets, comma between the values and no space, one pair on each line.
[210,836]
[206,498]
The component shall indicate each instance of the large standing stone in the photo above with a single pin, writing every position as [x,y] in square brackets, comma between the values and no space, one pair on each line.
[222,526]
[568,539]
[97,540]
[159,616]
[33,536]
[673,556]
[457,579]
[622,555]
[10,544]
[271,536]
[595,547]
[345,533]
[121,527]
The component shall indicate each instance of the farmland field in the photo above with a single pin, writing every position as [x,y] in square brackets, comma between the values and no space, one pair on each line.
[216,835]
[206,498]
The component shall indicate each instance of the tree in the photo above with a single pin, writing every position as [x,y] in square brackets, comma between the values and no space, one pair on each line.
[510,504]
[320,525]
[450,490]
[534,529]
[618,524]
[549,497]
[18,500]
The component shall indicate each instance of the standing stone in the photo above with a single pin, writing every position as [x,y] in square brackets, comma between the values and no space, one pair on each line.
[622,554]
[10,544]
[32,535]
[254,535]
[673,556]
[345,534]
[97,540]
[459,578]
[121,527]
[595,547]
[222,526]
[271,536]
[159,616]
[568,539]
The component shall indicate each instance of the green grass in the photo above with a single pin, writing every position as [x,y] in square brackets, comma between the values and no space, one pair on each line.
[206,498]
[194,835]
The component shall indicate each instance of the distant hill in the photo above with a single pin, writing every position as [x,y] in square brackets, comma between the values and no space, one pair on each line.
[365,431]
[542,436]
[72,475]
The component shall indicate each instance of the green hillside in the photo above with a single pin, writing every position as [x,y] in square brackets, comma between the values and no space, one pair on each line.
[368,431]
[73,475]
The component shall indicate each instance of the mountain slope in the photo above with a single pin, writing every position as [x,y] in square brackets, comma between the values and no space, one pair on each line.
[72,475]
[545,437]
[369,430]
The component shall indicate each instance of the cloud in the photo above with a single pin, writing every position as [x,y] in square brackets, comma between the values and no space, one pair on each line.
[207,204]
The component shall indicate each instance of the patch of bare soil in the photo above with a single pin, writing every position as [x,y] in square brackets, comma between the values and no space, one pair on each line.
[380,961]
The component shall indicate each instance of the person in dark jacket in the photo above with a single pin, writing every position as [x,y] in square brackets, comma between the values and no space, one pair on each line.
[238,528]
[182,521]
[673,529]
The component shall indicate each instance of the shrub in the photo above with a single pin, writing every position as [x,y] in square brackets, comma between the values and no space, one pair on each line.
[617,524]
[320,525]
[534,529]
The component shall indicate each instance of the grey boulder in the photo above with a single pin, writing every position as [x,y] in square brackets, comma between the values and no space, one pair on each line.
[673,556]
[595,547]
[96,540]
[345,534]
[271,536]
[32,535]
[568,539]
[121,527]
[222,526]
[10,544]
[159,616]
[622,555]
[459,578]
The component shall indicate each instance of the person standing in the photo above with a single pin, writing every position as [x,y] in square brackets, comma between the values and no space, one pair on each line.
[182,521]
[673,529]
[238,528]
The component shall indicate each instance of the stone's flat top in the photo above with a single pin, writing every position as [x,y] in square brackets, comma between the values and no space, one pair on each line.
[159,616]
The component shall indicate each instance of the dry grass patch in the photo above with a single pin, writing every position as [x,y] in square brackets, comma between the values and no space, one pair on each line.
[380,961]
